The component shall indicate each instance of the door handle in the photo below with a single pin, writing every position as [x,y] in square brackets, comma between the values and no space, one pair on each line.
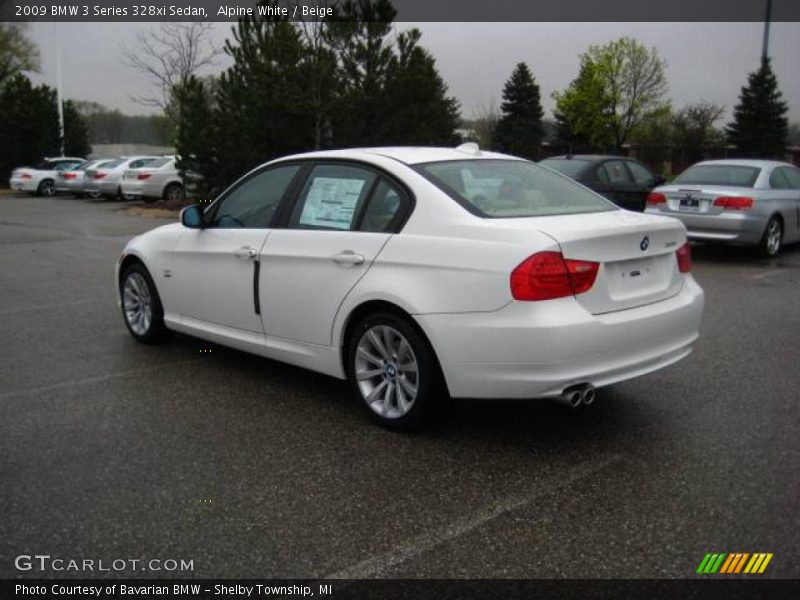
[348,257]
[246,252]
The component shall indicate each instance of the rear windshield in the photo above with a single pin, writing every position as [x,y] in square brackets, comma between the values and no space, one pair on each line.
[112,163]
[511,188]
[157,163]
[735,175]
[566,166]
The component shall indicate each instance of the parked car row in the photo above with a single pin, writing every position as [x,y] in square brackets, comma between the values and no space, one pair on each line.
[745,202]
[133,177]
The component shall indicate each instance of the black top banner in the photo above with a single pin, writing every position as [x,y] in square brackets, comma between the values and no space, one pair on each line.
[407,10]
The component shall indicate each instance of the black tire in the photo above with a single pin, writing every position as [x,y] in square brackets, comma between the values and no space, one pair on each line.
[174,191]
[156,331]
[772,240]
[46,188]
[430,389]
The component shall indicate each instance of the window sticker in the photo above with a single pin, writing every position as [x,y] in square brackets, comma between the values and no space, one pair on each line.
[331,202]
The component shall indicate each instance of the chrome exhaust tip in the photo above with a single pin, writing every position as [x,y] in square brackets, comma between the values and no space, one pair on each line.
[589,395]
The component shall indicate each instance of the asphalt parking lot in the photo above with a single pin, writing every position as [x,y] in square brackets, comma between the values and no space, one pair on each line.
[110,449]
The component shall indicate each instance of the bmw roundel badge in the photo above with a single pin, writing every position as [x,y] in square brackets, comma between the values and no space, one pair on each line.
[645,243]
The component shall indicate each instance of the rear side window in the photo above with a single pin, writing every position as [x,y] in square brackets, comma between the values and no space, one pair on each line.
[641,174]
[385,210]
[570,167]
[501,188]
[331,197]
[158,163]
[613,171]
[735,175]
[136,164]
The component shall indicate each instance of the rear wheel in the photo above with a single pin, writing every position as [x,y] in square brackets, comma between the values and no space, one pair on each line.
[141,305]
[46,188]
[772,240]
[174,191]
[394,371]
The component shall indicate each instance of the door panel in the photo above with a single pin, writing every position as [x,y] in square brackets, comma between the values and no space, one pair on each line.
[305,276]
[213,274]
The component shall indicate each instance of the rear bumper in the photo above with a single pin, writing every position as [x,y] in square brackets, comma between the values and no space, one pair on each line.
[23,185]
[106,188]
[530,350]
[732,227]
[139,189]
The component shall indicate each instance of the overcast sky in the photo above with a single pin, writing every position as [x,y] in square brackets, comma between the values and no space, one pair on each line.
[707,61]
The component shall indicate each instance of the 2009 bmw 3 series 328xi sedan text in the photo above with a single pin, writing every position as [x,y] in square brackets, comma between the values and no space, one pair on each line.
[421,272]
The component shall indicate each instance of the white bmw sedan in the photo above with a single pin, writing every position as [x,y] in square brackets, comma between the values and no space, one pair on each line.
[421,272]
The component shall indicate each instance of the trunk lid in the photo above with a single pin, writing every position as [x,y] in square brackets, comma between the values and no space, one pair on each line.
[636,253]
[698,198]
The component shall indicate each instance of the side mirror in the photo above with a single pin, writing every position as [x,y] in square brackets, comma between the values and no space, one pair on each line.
[192,217]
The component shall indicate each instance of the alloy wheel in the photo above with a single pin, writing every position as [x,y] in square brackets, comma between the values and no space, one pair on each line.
[137,303]
[774,235]
[386,371]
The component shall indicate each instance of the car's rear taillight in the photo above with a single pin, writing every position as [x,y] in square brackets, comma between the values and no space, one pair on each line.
[656,198]
[684,256]
[26,176]
[734,202]
[549,275]
[143,176]
[70,175]
[100,175]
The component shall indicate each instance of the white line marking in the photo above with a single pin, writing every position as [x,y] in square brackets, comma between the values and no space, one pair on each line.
[98,379]
[380,564]
[767,274]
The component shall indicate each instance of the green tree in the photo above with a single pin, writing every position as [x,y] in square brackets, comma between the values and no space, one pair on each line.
[694,133]
[17,52]
[194,140]
[760,127]
[418,110]
[619,86]
[519,130]
[28,124]
[76,132]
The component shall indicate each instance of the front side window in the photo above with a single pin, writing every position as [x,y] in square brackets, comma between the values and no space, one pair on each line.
[511,188]
[792,176]
[331,197]
[253,203]
[736,175]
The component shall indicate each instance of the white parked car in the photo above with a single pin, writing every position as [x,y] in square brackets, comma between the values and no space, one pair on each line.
[71,181]
[106,180]
[415,272]
[41,179]
[157,179]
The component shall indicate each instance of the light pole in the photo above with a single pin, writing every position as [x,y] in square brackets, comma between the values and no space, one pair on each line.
[765,45]
[58,92]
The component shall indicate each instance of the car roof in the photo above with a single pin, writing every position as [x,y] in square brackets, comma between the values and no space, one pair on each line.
[589,157]
[409,155]
[64,158]
[746,162]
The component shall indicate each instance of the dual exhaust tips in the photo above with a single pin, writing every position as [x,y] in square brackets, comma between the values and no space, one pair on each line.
[575,396]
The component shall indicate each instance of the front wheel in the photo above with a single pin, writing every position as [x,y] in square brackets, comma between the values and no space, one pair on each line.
[394,371]
[772,239]
[141,306]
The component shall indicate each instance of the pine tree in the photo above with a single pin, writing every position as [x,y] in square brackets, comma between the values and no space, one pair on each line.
[417,108]
[520,129]
[28,124]
[194,140]
[76,132]
[760,127]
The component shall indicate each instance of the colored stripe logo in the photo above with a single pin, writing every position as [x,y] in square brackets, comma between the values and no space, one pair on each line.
[734,563]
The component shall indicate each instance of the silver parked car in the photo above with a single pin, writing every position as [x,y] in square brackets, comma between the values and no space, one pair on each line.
[746,202]
[73,180]
[107,180]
